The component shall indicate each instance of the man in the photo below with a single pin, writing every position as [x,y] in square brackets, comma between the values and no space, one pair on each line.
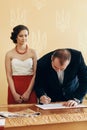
[61,76]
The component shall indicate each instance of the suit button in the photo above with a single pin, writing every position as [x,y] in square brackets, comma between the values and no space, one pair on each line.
[64,93]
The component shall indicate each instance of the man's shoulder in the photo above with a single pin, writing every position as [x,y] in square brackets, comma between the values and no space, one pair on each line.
[45,60]
[46,56]
[74,50]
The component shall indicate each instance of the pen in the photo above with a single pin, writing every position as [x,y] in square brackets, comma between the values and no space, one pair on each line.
[3,116]
[36,113]
[40,103]
[31,115]
[22,115]
[46,95]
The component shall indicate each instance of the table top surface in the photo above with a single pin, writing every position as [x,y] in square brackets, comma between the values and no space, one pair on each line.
[20,107]
[46,117]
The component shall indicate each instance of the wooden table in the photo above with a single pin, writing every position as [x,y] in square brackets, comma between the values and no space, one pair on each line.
[58,119]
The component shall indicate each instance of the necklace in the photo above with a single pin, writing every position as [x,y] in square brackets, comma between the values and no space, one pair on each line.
[21,52]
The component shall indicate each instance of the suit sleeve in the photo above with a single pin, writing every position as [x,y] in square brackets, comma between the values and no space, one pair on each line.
[43,66]
[82,77]
[39,82]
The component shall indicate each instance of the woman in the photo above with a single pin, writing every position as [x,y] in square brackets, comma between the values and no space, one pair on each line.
[20,64]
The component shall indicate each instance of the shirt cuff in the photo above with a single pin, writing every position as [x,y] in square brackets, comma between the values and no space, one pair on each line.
[77,100]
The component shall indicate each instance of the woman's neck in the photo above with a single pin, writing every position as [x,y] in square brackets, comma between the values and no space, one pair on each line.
[21,49]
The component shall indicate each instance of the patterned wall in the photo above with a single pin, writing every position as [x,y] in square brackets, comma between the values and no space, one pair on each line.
[52,24]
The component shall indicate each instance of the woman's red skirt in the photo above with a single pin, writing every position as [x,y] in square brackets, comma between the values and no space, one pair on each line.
[21,84]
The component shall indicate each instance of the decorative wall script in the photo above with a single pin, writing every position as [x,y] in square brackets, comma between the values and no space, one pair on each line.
[39,4]
[39,40]
[17,16]
[62,20]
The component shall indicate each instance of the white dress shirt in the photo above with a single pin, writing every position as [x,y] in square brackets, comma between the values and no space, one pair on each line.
[60,75]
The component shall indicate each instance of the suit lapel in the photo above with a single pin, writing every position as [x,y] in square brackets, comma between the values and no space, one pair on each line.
[66,74]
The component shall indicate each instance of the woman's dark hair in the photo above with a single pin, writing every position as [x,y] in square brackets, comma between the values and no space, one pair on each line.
[16,31]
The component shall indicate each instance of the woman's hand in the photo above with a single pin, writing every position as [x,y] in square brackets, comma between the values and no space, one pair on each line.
[25,96]
[17,98]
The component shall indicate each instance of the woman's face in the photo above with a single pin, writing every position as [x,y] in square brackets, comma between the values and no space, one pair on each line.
[22,37]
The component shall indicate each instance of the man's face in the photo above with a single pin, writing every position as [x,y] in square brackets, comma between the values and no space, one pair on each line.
[57,66]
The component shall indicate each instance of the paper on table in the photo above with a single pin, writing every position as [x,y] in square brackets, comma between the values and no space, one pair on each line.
[57,106]
[2,121]
[18,114]
[7,114]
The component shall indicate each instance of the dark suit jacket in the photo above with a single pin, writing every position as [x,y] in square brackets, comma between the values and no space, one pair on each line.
[75,78]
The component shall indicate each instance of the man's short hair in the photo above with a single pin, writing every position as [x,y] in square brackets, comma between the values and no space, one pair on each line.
[62,54]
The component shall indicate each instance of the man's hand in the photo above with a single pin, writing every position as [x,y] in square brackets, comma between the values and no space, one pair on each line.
[45,99]
[70,103]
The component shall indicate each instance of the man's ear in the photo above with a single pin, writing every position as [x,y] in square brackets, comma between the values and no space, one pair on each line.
[51,57]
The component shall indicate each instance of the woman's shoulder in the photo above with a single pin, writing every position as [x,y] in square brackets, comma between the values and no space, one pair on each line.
[33,53]
[10,53]
[32,50]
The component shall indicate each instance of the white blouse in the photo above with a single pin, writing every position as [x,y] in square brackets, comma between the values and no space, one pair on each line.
[22,67]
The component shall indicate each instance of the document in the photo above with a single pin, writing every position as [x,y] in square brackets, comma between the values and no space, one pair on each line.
[24,113]
[57,106]
[2,122]
[8,114]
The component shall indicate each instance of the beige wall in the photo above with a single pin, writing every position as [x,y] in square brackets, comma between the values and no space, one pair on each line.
[52,23]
